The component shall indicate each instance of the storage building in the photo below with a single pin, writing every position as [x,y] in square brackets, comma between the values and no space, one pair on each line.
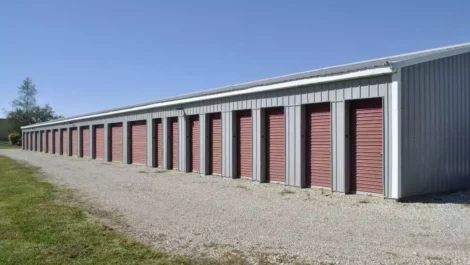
[396,127]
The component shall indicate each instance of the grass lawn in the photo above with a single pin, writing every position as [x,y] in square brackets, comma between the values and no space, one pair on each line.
[8,146]
[36,228]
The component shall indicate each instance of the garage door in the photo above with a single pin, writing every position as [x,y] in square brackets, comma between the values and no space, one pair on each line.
[99,142]
[159,143]
[366,146]
[194,124]
[35,135]
[49,141]
[42,141]
[74,142]
[116,142]
[216,143]
[85,143]
[319,145]
[139,142]
[245,151]
[275,144]
[64,142]
[56,142]
[174,142]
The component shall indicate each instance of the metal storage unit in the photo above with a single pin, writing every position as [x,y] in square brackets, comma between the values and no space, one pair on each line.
[318,145]
[116,142]
[366,125]
[159,143]
[216,144]
[85,141]
[245,144]
[174,142]
[74,142]
[98,142]
[194,140]
[406,85]
[139,142]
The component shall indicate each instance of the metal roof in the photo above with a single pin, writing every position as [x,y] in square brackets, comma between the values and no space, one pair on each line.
[395,61]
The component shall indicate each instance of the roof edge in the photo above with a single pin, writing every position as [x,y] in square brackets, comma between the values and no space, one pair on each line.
[255,89]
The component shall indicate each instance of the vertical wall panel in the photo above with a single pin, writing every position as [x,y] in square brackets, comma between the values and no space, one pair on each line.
[435,128]
[294,150]
[166,143]
[56,142]
[126,151]
[204,144]
[228,145]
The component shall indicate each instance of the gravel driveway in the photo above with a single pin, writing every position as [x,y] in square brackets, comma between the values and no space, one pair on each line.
[208,215]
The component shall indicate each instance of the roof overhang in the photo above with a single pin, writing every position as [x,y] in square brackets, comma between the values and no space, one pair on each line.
[256,89]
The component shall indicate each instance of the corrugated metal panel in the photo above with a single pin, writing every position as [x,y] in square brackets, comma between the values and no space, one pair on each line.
[85,143]
[116,142]
[366,146]
[35,136]
[229,148]
[295,145]
[159,142]
[195,137]
[74,142]
[435,126]
[216,143]
[245,144]
[99,142]
[204,144]
[174,143]
[319,145]
[275,138]
[138,142]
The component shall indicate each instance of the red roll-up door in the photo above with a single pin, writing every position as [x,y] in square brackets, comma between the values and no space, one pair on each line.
[35,141]
[216,143]
[245,144]
[194,124]
[56,142]
[116,142]
[366,146]
[74,142]
[43,142]
[319,145]
[174,143]
[159,142]
[49,141]
[85,143]
[139,142]
[275,136]
[64,142]
[99,142]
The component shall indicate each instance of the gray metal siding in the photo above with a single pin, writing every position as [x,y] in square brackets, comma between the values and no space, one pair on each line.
[436,126]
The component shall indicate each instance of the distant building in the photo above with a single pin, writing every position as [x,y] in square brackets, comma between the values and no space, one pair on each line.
[3,130]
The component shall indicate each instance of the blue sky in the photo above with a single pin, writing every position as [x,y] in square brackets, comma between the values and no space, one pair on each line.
[89,55]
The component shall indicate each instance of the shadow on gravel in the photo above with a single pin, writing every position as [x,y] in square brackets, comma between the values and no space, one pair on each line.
[458,197]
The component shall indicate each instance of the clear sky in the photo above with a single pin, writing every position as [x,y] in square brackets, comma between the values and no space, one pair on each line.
[89,55]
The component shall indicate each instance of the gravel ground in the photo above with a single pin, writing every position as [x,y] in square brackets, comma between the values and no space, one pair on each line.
[224,218]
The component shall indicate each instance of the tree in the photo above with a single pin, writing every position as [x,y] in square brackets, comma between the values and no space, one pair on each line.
[25,109]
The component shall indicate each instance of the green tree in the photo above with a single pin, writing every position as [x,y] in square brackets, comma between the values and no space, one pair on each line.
[25,109]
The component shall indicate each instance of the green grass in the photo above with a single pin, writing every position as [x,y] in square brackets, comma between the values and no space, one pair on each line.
[36,227]
[9,146]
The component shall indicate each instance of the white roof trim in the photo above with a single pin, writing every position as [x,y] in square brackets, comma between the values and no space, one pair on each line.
[257,89]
